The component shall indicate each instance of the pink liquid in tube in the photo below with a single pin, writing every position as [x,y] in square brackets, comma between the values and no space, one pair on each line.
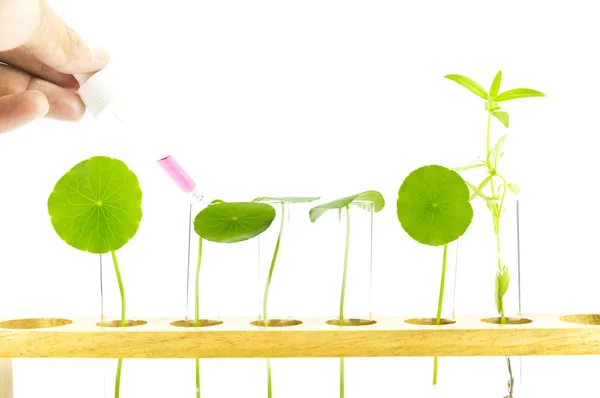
[179,176]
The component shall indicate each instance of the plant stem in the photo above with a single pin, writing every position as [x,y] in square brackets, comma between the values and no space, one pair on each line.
[268,284]
[123,320]
[265,320]
[438,316]
[346,252]
[341,377]
[343,294]
[197,378]
[487,147]
[121,290]
[197,311]
[269,385]
[118,379]
[498,248]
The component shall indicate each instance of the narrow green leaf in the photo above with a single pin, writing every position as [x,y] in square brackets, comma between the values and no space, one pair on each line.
[471,166]
[286,199]
[481,186]
[518,93]
[491,106]
[368,196]
[495,151]
[502,116]
[469,84]
[514,188]
[478,191]
[496,84]
[493,206]
[502,283]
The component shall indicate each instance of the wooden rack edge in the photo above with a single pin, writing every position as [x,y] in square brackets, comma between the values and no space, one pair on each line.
[237,338]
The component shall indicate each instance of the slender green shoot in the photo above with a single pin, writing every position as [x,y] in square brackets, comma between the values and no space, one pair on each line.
[123,320]
[346,252]
[273,261]
[438,317]
[342,383]
[343,295]
[269,382]
[495,202]
[118,378]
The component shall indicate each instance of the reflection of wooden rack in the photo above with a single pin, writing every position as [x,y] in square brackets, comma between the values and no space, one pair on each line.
[237,338]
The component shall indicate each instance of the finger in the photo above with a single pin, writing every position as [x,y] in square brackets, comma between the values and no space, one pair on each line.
[64,104]
[60,47]
[16,110]
[18,18]
[23,59]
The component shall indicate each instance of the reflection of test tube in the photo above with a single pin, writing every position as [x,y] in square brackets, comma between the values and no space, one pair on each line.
[98,97]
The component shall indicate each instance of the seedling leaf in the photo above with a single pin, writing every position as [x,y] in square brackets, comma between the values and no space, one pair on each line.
[502,282]
[518,93]
[368,196]
[433,205]
[495,153]
[480,187]
[232,222]
[496,84]
[514,188]
[97,205]
[285,199]
[469,84]
[478,192]
[471,166]
[502,116]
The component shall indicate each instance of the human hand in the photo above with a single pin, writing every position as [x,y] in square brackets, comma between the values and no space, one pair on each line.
[39,54]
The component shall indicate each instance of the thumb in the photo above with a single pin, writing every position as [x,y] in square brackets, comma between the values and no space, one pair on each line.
[55,44]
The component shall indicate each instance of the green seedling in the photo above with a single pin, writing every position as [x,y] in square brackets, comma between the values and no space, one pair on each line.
[372,198]
[281,201]
[224,222]
[96,207]
[433,208]
[495,196]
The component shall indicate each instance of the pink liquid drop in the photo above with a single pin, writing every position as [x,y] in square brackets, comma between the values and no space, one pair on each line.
[177,174]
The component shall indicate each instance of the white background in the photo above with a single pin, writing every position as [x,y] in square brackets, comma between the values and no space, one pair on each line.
[322,98]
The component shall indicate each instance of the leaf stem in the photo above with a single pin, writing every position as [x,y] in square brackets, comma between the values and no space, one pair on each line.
[343,294]
[498,247]
[118,379]
[197,311]
[487,147]
[121,290]
[266,295]
[342,377]
[197,378]
[269,384]
[123,320]
[346,252]
[438,316]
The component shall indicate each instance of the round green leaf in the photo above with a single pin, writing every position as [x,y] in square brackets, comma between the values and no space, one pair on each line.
[97,205]
[233,222]
[433,205]
[368,196]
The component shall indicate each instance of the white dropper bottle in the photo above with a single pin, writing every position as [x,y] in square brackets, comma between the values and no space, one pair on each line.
[99,98]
